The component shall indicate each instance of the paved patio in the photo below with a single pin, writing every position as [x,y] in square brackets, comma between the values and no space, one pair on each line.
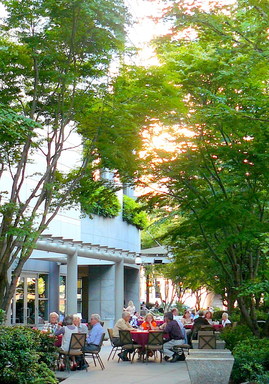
[127,373]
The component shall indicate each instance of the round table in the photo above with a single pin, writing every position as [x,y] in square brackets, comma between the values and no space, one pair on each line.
[140,337]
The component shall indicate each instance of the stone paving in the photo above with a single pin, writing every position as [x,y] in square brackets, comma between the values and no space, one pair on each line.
[127,373]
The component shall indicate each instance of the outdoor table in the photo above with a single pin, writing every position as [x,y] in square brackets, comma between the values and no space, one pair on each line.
[140,337]
[216,327]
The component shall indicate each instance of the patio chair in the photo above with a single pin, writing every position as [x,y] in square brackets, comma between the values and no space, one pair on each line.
[115,348]
[180,349]
[127,343]
[207,328]
[95,354]
[206,340]
[76,346]
[155,343]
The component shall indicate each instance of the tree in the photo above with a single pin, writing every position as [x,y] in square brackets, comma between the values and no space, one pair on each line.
[55,59]
[217,180]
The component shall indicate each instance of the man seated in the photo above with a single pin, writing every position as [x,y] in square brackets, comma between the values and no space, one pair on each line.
[52,325]
[95,334]
[175,337]
[181,326]
[197,324]
[122,325]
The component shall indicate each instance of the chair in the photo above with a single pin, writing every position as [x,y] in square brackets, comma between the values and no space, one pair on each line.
[127,343]
[95,354]
[115,348]
[181,348]
[76,346]
[155,343]
[206,340]
[207,328]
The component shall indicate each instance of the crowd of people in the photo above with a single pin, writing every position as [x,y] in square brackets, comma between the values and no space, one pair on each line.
[72,324]
[173,328]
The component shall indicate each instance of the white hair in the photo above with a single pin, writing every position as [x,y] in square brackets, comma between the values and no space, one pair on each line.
[96,317]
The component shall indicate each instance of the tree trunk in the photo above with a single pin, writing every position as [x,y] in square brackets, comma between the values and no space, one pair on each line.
[251,321]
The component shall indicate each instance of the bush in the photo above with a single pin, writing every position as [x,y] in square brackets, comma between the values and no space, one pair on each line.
[2,316]
[133,213]
[232,336]
[26,356]
[251,361]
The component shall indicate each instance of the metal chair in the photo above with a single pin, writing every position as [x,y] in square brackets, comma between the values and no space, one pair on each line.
[115,348]
[76,345]
[95,354]
[155,343]
[182,348]
[128,344]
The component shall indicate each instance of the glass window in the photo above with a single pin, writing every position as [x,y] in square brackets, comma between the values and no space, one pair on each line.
[43,295]
[62,298]
[19,301]
[31,295]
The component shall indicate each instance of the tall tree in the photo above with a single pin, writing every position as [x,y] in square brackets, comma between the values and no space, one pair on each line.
[218,178]
[55,60]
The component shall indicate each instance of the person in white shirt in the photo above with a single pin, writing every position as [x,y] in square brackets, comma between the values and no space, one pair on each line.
[225,319]
[130,308]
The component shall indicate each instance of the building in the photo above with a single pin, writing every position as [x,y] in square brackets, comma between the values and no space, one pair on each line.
[94,271]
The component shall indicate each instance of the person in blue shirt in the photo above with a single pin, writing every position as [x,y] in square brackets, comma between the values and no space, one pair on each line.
[95,334]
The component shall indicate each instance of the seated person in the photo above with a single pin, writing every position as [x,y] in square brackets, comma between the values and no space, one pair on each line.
[149,323]
[82,328]
[187,318]
[52,325]
[67,331]
[208,317]
[225,320]
[95,334]
[134,320]
[197,324]
[122,325]
[184,331]
[175,337]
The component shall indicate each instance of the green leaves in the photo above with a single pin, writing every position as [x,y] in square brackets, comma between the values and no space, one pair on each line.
[133,213]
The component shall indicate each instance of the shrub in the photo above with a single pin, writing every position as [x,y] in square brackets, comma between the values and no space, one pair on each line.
[251,361]
[232,336]
[2,316]
[102,202]
[133,213]
[26,356]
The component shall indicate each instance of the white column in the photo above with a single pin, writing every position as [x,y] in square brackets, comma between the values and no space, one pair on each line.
[71,284]
[119,289]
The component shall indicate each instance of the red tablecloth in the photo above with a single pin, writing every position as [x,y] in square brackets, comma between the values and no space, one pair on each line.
[217,327]
[140,337]
[158,322]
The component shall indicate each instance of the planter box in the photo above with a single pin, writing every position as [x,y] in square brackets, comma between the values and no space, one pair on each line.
[207,366]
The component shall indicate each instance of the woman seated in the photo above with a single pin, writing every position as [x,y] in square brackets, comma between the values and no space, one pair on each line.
[82,328]
[187,319]
[208,317]
[225,320]
[149,323]
[67,331]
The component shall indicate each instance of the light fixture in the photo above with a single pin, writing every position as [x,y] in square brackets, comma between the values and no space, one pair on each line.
[138,260]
